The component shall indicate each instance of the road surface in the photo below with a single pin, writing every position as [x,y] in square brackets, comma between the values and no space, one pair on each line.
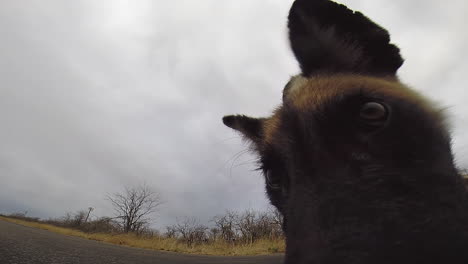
[21,244]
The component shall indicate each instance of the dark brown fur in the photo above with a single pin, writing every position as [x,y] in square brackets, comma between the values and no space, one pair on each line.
[353,189]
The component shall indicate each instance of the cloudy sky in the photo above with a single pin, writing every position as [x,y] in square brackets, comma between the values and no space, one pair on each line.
[98,95]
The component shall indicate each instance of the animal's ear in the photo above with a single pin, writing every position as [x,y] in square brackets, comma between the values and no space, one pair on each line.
[251,128]
[328,37]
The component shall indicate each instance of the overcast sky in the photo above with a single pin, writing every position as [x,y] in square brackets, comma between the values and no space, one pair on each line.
[98,95]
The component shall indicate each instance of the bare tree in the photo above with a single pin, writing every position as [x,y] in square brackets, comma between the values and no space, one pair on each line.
[134,206]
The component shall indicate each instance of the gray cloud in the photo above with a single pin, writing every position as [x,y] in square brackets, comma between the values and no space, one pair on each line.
[96,95]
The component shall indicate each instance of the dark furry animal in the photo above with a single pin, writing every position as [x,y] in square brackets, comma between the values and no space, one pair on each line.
[360,165]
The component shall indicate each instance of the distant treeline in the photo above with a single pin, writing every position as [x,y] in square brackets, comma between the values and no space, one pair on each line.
[232,227]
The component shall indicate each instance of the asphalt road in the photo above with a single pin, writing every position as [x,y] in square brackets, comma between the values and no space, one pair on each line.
[21,244]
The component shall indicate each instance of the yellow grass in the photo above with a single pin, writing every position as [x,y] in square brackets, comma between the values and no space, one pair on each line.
[261,247]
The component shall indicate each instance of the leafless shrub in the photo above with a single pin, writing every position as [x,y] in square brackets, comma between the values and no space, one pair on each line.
[213,234]
[277,222]
[101,225]
[171,231]
[23,216]
[189,231]
[80,220]
[248,226]
[226,224]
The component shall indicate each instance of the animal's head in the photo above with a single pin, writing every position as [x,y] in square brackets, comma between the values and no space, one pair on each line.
[358,163]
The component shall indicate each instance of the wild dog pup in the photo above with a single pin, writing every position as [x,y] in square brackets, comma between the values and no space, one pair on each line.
[360,165]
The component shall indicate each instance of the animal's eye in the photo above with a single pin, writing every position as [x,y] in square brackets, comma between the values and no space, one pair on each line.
[373,113]
[272,181]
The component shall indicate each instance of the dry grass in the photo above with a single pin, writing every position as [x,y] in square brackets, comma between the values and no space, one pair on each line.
[261,247]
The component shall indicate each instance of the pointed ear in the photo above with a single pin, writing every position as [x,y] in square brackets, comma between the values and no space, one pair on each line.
[329,37]
[251,128]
